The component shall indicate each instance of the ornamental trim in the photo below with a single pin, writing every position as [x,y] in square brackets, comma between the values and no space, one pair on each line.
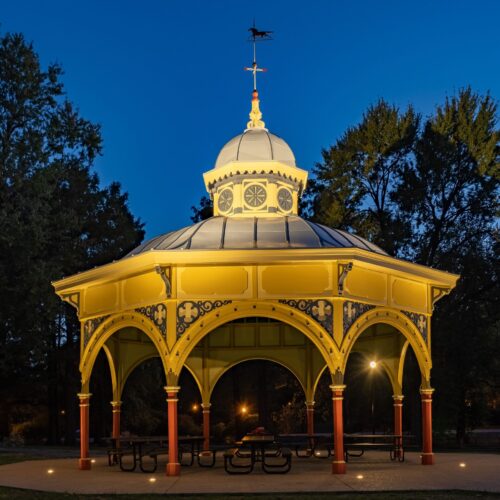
[420,321]
[157,313]
[190,310]
[320,311]
[352,311]
[90,326]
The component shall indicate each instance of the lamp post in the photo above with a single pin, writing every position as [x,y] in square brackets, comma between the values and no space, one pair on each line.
[373,366]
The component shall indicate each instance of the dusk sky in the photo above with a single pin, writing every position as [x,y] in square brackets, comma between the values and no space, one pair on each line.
[165,78]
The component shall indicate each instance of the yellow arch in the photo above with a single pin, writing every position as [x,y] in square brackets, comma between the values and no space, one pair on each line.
[401,323]
[280,312]
[112,369]
[109,327]
[255,358]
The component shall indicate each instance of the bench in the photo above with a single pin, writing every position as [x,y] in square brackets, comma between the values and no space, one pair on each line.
[278,468]
[232,467]
[394,450]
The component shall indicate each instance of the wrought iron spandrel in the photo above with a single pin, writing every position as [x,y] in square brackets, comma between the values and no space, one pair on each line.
[352,311]
[320,311]
[157,313]
[90,326]
[189,311]
[420,321]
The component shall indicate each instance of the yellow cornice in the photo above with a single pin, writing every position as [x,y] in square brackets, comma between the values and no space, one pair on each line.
[147,262]
[233,168]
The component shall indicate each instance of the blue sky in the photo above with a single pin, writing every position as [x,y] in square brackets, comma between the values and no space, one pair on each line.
[165,78]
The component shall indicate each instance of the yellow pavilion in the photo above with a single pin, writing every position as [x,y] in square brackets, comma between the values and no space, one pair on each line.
[183,297]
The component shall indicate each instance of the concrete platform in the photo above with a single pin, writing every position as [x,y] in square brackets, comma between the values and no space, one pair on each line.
[375,472]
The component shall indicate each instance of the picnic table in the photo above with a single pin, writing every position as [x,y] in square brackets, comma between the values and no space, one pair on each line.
[139,447]
[317,445]
[356,444]
[255,448]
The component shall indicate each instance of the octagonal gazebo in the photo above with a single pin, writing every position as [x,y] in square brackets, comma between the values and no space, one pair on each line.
[183,295]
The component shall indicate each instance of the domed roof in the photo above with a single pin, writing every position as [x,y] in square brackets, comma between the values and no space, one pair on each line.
[235,233]
[254,145]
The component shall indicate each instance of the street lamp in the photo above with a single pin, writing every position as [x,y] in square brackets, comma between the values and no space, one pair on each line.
[373,365]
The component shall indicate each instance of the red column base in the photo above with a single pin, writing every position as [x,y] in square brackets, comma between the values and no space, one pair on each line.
[338,467]
[173,469]
[428,459]
[84,464]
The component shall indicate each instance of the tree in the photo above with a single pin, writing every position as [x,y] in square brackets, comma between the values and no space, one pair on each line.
[352,186]
[203,211]
[430,194]
[56,220]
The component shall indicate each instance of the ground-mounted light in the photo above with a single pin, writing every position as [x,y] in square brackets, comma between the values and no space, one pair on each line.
[462,464]
[92,461]
[152,479]
[360,476]
[50,471]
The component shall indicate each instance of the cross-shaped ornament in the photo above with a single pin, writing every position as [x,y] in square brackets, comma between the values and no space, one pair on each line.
[160,314]
[255,69]
[351,310]
[421,323]
[188,312]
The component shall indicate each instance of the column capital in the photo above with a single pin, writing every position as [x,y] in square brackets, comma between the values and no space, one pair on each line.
[427,392]
[338,388]
[310,404]
[172,388]
[115,404]
[206,406]
[84,395]
[397,397]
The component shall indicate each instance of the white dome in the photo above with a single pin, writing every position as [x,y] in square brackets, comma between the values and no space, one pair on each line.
[256,145]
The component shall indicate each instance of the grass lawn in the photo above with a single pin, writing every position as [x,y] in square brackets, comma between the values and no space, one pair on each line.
[17,494]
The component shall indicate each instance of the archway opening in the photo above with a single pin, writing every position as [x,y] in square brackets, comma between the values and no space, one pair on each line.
[257,393]
[101,389]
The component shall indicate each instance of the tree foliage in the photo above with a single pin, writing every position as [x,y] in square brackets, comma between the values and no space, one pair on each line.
[56,220]
[427,191]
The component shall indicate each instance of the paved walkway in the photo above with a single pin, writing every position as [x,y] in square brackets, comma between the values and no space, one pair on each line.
[375,472]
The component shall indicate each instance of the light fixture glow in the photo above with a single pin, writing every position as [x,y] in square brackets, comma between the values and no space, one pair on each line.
[50,471]
[92,461]
[195,407]
[373,364]
[359,476]
[152,479]
[462,464]
[244,410]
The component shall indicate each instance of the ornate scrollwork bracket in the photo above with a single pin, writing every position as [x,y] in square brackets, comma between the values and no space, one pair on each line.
[438,293]
[73,299]
[343,272]
[162,271]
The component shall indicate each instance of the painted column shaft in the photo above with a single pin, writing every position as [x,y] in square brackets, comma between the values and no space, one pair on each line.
[427,454]
[398,416]
[84,462]
[206,426]
[310,417]
[173,465]
[338,465]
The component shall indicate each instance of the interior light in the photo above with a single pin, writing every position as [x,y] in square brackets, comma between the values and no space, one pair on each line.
[373,364]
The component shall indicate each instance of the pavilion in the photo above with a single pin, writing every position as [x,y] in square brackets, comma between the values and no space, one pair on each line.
[183,296]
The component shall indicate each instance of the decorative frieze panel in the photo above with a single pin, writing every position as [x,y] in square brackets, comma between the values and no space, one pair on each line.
[90,326]
[319,310]
[352,311]
[189,311]
[157,313]
[420,321]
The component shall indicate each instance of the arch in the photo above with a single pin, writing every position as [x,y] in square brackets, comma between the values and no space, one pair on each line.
[318,378]
[280,312]
[255,358]
[401,323]
[112,369]
[109,327]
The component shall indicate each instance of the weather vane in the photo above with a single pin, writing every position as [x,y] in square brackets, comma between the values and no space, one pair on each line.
[257,36]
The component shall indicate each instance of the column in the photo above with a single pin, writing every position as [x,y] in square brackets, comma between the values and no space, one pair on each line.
[338,465]
[206,425]
[173,465]
[116,409]
[427,455]
[84,462]
[398,419]
[310,416]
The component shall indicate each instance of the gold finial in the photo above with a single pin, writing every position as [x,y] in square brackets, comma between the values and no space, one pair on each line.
[255,115]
